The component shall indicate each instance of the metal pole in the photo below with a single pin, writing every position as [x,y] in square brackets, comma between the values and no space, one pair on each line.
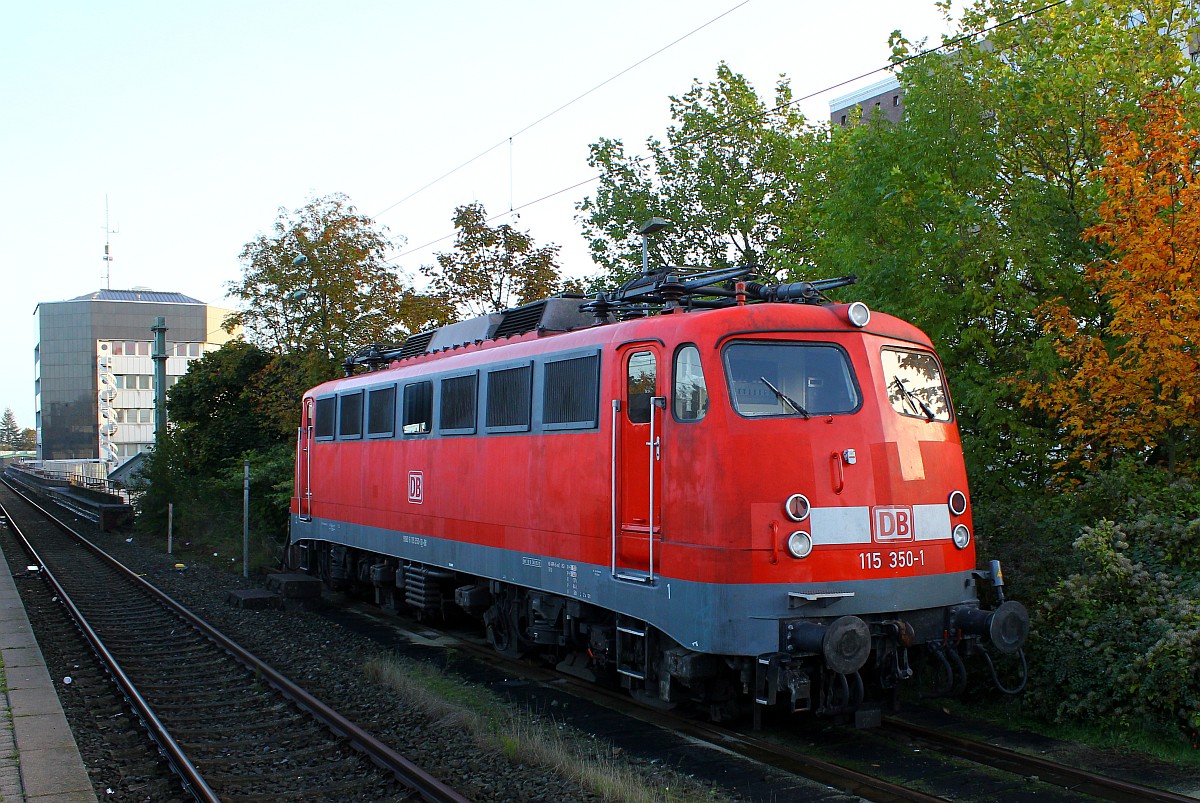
[246,522]
[170,524]
[160,377]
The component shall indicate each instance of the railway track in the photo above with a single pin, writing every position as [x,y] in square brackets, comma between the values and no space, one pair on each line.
[1064,775]
[231,727]
[915,766]
[900,761]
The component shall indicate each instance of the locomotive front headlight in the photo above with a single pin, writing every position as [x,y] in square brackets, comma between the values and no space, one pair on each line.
[797,507]
[799,544]
[860,314]
[958,503]
[961,535]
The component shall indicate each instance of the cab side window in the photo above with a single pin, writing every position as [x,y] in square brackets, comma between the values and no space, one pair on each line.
[690,392]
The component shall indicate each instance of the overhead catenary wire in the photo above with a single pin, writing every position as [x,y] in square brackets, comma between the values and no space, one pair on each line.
[550,114]
[950,43]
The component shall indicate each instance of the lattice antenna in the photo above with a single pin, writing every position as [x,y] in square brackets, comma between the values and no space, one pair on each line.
[107,251]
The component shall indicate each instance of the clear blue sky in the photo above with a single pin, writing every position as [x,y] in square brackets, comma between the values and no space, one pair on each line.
[199,120]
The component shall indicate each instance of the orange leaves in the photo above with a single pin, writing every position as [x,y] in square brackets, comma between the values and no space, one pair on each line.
[1130,380]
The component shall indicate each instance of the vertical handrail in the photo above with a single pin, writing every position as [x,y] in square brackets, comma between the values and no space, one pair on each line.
[616,415]
[838,475]
[656,403]
[298,474]
[306,436]
[308,442]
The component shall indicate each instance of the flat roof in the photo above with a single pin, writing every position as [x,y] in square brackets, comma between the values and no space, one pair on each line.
[138,294]
[867,92]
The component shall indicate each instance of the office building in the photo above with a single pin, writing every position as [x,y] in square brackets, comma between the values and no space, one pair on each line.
[93,372]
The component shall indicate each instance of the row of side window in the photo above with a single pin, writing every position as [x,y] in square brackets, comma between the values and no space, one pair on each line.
[567,389]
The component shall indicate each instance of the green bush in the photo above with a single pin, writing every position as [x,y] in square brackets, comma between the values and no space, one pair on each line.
[1116,640]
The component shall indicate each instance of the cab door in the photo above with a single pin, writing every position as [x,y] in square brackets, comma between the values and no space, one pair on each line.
[638,416]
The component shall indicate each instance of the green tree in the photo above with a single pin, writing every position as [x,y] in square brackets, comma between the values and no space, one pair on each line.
[10,433]
[729,177]
[491,268]
[235,404]
[214,407]
[28,440]
[971,213]
[320,284]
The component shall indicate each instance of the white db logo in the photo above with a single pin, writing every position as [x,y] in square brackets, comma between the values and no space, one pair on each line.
[893,523]
[416,487]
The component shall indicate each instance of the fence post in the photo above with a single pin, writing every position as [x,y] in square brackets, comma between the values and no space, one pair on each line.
[246,523]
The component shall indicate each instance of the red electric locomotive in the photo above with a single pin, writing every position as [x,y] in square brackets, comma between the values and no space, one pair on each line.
[703,487]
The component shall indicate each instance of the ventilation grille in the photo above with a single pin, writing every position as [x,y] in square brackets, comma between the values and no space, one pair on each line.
[416,344]
[520,320]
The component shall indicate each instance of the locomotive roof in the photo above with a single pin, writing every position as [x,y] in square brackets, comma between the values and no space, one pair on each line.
[668,289]
[565,319]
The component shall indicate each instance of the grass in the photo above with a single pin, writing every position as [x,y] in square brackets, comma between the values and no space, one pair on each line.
[219,550]
[1101,736]
[522,737]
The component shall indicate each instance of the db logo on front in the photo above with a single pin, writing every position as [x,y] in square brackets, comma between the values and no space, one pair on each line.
[416,487]
[892,523]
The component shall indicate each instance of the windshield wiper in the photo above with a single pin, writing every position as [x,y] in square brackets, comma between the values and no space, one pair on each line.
[786,399]
[913,400]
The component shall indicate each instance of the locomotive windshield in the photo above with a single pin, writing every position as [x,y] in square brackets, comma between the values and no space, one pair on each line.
[789,379]
[914,384]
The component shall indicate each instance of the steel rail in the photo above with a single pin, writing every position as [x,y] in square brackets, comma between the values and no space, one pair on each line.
[192,780]
[1012,760]
[409,774]
[751,747]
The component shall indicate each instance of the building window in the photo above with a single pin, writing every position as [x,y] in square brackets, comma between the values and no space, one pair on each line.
[134,415]
[133,381]
[843,119]
[895,100]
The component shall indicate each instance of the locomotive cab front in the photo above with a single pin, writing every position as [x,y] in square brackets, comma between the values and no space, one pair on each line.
[811,482]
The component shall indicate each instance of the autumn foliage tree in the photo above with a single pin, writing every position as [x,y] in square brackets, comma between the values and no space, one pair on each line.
[491,268]
[1130,382]
[321,284]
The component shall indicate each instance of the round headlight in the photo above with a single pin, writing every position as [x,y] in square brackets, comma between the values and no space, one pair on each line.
[962,536]
[799,544]
[958,503]
[797,507]
[860,314]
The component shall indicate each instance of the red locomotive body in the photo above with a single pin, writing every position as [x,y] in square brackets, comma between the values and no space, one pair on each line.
[762,499]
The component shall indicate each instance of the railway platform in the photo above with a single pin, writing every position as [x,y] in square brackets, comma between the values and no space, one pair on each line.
[39,760]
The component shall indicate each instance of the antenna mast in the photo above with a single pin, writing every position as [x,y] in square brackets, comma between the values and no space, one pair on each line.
[107,253]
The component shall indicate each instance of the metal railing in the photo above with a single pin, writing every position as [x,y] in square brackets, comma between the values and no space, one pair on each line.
[76,480]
